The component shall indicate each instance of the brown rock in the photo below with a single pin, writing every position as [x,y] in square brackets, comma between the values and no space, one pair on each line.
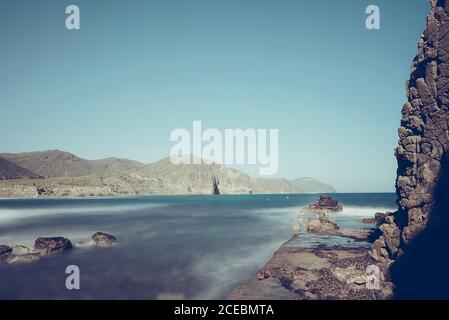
[326,203]
[44,246]
[321,225]
[101,239]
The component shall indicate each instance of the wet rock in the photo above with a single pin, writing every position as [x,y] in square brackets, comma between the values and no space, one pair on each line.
[321,225]
[101,239]
[380,217]
[19,250]
[264,274]
[44,246]
[5,250]
[326,203]
[24,258]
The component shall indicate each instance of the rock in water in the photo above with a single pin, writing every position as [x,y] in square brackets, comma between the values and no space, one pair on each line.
[45,246]
[19,250]
[326,203]
[5,250]
[101,239]
[24,258]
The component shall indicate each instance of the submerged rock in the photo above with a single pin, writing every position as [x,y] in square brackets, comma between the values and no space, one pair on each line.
[44,246]
[101,239]
[24,258]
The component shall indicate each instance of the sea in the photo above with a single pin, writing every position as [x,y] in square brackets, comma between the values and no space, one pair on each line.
[170,247]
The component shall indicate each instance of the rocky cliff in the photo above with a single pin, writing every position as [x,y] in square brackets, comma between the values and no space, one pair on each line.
[423,143]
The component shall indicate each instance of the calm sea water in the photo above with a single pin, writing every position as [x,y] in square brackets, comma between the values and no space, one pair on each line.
[189,247]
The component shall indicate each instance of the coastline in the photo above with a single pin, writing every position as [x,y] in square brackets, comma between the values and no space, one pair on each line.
[322,272]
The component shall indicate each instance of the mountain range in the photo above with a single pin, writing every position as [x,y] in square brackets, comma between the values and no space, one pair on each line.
[61,173]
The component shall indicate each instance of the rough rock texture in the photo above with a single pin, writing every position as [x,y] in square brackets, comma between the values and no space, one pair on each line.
[19,250]
[326,203]
[44,246]
[56,163]
[322,273]
[161,177]
[424,140]
[10,170]
[321,225]
[101,239]
[424,126]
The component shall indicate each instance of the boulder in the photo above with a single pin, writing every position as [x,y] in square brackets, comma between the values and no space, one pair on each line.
[101,239]
[264,274]
[380,217]
[326,203]
[44,246]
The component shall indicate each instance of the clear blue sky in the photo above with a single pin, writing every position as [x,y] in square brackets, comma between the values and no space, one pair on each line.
[139,69]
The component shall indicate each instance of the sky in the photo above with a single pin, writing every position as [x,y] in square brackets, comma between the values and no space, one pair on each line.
[136,70]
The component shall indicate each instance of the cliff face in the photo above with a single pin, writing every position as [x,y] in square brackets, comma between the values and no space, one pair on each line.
[424,141]
[424,126]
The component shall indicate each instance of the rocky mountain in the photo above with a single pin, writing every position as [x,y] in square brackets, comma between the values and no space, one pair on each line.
[55,163]
[414,239]
[311,185]
[10,170]
[198,179]
[161,177]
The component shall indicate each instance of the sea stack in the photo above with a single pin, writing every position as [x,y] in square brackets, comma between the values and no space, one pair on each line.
[419,227]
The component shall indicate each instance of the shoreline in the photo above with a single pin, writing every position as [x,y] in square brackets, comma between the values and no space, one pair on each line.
[320,272]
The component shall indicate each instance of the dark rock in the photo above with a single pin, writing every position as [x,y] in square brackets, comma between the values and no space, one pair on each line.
[326,203]
[380,217]
[101,239]
[5,250]
[45,246]
[264,274]
[416,235]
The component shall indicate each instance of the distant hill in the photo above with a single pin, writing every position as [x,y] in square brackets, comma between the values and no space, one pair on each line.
[10,170]
[311,185]
[197,178]
[161,177]
[55,163]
